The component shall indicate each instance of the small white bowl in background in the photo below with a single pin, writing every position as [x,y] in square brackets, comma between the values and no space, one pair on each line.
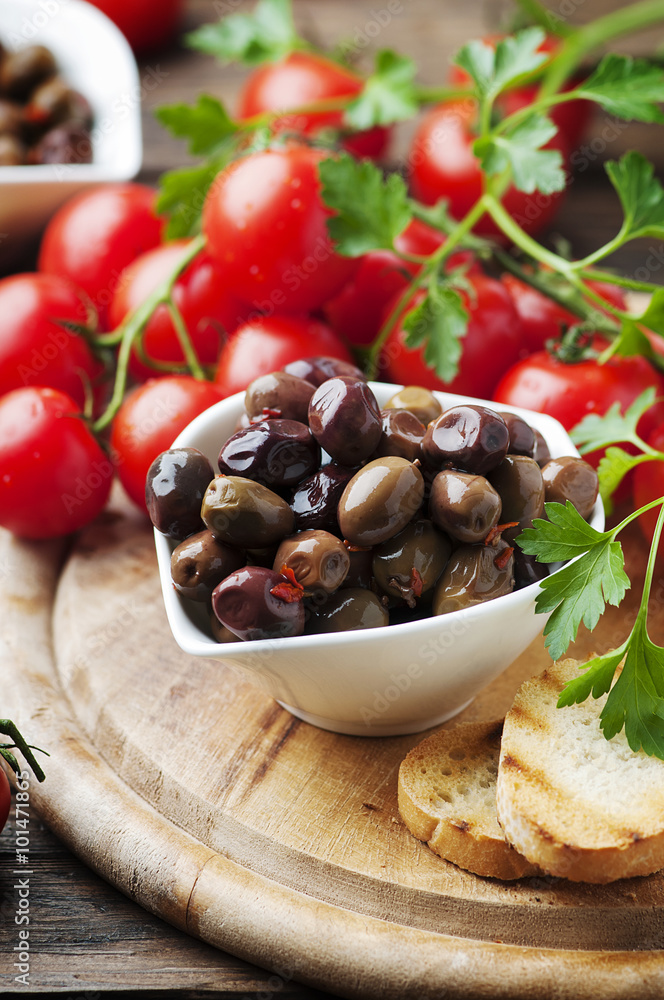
[94,57]
[373,682]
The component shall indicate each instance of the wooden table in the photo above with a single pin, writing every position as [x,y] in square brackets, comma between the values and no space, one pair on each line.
[89,939]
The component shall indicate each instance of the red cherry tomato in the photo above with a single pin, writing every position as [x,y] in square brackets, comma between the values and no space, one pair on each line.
[491,345]
[202,295]
[304,78]
[267,343]
[55,477]
[35,347]
[5,797]
[648,484]
[149,420]
[146,24]
[265,223]
[95,235]
[444,166]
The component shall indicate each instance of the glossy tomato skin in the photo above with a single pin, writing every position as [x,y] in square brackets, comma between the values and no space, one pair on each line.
[304,78]
[444,166]
[265,224]
[146,24]
[267,343]
[208,307]
[35,348]
[55,476]
[149,420]
[98,233]
[491,345]
[648,484]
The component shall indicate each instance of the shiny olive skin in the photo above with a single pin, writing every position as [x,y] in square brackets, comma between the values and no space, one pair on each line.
[542,455]
[522,436]
[200,562]
[273,452]
[380,500]
[527,570]
[467,507]
[174,489]
[23,70]
[518,480]
[219,632]
[53,103]
[472,577]
[279,394]
[319,369]
[344,417]
[360,573]
[245,513]
[472,438]
[570,478]
[402,435]
[245,604]
[318,560]
[316,499]
[348,610]
[408,565]
[421,402]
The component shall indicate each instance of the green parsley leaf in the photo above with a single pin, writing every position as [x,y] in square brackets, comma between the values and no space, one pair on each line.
[631,342]
[370,210]
[181,196]
[629,88]
[636,700]
[205,124]
[596,678]
[389,94]
[494,69]
[597,431]
[563,536]
[533,168]
[653,316]
[640,193]
[439,322]
[266,35]
[612,469]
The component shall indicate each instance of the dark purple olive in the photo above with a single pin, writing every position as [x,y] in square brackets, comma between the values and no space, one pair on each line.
[402,435]
[278,394]
[344,417]
[245,513]
[174,489]
[380,500]
[472,438]
[474,574]
[522,436]
[316,499]
[318,560]
[527,570]
[360,572]
[348,610]
[200,562]
[407,566]
[273,452]
[421,402]
[64,144]
[570,478]
[248,603]
[320,368]
[467,507]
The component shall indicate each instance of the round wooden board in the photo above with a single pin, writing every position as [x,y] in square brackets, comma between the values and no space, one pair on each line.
[197,795]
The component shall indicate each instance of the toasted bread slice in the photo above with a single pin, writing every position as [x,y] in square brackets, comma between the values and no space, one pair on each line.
[447,797]
[580,806]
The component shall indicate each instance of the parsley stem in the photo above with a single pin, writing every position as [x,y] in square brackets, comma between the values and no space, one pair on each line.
[184,339]
[604,251]
[593,274]
[520,238]
[650,568]
[546,18]
[633,516]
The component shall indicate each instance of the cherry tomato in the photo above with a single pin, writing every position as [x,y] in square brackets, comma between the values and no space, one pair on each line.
[5,797]
[149,420]
[648,484]
[146,24]
[265,223]
[444,166]
[35,347]
[55,477]
[201,293]
[491,345]
[267,343]
[304,78]
[95,235]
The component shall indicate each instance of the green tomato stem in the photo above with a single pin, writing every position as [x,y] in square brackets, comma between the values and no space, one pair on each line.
[190,355]
[521,239]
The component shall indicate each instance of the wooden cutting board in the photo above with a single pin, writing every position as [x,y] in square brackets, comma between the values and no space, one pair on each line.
[197,795]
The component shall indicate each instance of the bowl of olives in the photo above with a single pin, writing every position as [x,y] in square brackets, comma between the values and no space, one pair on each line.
[350,545]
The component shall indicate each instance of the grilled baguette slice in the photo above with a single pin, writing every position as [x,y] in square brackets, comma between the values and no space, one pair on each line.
[581,807]
[447,797]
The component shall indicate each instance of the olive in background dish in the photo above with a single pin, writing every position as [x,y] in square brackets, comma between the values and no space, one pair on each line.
[348,610]
[407,566]
[402,435]
[421,402]
[63,144]
[466,506]
[380,500]
[318,560]
[344,417]
[248,603]
[245,513]
[475,574]
[23,70]
[12,151]
[472,438]
[174,489]
[200,562]
[570,478]
[279,394]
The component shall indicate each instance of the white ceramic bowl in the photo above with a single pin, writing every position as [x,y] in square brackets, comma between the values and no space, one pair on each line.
[95,58]
[377,682]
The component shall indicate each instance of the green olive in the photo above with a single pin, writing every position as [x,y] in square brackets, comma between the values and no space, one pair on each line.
[380,500]
[245,513]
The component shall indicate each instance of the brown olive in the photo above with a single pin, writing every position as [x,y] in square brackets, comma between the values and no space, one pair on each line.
[360,573]
[408,565]
[380,500]
[53,103]
[571,478]
[402,435]
[419,401]
[12,151]
[21,71]
[474,574]
[522,436]
[318,560]
[279,394]
[244,513]
[11,119]
[542,455]
[200,562]
[467,507]
[472,438]
[518,480]
[174,488]
[349,610]
[219,632]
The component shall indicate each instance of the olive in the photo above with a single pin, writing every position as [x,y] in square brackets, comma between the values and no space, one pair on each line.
[408,565]
[220,632]
[542,455]
[527,569]
[53,103]
[348,610]
[518,480]
[402,435]
[320,368]
[11,119]
[262,556]
[200,562]
[318,560]
[571,478]
[279,394]
[63,144]
[273,452]
[174,488]
[245,513]
[316,499]
[380,500]
[522,436]
[25,69]
[473,438]
[12,151]
[421,402]
[344,417]
[248,603]
[360,572]
[474,574]
[465,506]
